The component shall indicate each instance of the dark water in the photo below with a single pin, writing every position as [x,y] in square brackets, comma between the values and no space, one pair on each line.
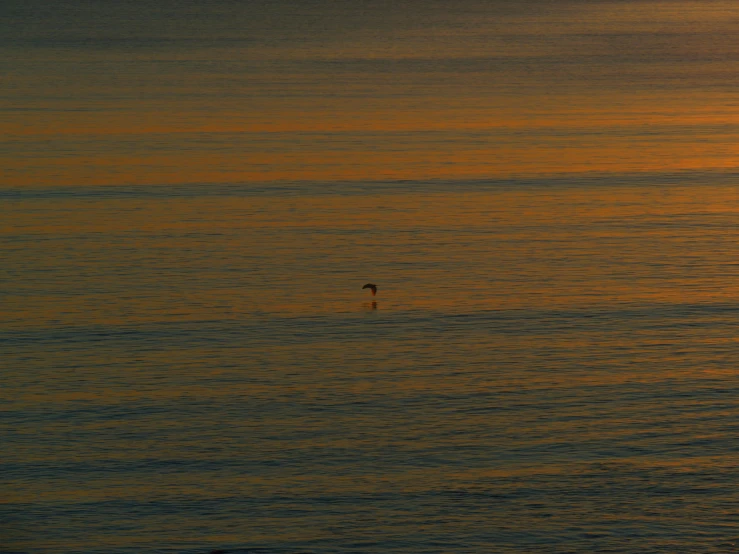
[194,195]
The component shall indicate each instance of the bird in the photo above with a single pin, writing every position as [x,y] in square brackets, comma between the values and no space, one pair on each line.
[371,287]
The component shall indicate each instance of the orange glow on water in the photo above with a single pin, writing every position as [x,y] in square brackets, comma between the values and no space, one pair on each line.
[548,362]
[447,139]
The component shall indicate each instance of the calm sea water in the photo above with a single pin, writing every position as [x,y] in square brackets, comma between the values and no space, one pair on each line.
[193,196]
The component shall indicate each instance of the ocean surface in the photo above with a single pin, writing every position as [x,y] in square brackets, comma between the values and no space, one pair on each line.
[193,195]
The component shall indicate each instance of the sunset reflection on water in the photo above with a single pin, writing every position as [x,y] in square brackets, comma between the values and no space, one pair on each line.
[539,355]
[193,196]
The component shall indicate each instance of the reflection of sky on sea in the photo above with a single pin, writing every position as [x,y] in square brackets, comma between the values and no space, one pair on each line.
[254,91]
[194,193]
[499,248]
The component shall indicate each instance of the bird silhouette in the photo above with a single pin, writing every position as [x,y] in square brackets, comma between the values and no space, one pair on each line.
[372,287]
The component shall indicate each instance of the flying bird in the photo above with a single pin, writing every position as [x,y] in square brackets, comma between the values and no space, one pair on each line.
[371,287]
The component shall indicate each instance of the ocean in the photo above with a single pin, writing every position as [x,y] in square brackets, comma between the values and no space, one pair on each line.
[193,195]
